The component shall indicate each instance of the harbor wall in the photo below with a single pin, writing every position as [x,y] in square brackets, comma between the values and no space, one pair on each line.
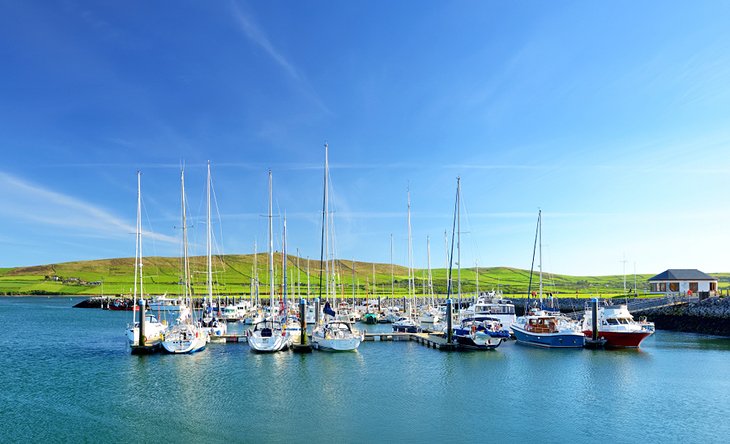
[711,316]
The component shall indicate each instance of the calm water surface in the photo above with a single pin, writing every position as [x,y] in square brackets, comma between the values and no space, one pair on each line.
[67,375]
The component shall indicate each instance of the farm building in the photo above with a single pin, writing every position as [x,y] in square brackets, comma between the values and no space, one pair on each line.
[683,281]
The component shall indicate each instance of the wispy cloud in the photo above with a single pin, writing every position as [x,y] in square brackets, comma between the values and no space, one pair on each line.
[28,202]
[253,31]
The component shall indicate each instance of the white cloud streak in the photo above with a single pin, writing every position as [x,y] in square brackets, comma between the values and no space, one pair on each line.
[27,202]
[255,34]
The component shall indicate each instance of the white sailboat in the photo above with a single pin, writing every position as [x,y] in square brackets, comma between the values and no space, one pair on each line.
[408,322]
[153,329]
[267,335]
[216,327]
[331,334]
[185,336]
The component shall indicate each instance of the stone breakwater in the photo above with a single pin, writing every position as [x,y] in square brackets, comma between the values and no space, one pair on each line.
[711,316]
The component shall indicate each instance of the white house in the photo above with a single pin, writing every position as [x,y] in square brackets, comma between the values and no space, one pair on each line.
[683,281]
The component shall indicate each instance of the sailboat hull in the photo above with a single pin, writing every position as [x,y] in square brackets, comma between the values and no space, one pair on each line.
[184,347]
[336,344]
[267,344]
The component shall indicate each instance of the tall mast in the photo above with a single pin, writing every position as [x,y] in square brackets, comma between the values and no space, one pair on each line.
[430,278]
[392,275]
[255,288]
[539,234]
[299,278]
[271,249]
[324,249]
[458,236]
[411,283]
[374,287]
[138,248]
[477,264]
[186,261]
[283,265]
[209,242]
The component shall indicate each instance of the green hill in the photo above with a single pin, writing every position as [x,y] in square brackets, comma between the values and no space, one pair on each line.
[233,275]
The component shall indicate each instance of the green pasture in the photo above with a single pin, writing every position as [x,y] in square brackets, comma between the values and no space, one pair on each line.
[234,275]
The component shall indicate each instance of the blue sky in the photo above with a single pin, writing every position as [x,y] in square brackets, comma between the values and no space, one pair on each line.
[613,117]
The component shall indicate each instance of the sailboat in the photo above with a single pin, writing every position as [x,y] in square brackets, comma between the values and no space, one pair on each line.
[268,335]
[151,329]
[331,334]
[408,321]
[473,332]
[291,325]
[544,328]
[185,336]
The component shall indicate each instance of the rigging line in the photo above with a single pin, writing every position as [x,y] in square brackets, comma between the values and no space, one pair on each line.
[534,250]
[451,255]
[150,238]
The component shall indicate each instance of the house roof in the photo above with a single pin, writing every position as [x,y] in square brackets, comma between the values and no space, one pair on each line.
[689,274]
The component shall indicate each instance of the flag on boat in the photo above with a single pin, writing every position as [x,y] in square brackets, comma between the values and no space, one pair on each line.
[328,309]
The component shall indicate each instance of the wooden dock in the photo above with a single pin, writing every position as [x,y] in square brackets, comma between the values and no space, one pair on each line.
[429,340]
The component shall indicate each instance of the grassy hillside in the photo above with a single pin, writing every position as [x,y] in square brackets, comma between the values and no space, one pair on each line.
[233,275]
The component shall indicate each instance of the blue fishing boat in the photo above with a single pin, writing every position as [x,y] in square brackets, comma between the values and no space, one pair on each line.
[542,329]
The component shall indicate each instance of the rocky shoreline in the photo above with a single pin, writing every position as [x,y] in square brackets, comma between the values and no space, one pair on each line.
[711,316]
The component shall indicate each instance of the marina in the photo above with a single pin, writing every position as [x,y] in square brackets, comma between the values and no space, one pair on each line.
[406,391]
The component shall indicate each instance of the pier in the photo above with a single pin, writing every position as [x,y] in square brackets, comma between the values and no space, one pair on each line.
[429,340]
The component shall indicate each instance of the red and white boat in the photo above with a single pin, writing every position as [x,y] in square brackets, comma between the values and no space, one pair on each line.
[617,326]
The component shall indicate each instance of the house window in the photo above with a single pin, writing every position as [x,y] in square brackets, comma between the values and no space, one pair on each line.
[693,287]
[713,286]
[674,286]
[662,286]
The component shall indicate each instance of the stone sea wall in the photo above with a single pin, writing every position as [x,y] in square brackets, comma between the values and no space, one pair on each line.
[711,316]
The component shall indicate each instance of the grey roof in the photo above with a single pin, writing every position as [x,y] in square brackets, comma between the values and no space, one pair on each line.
[689,274]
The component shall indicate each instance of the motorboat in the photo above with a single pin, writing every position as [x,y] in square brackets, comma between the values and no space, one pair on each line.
[543,329]
[165,304]
[491,304]
[406,325]
[480,333]
[153,330]
[617,326]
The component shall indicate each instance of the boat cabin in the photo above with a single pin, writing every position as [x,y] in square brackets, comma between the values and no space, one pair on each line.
[542,324]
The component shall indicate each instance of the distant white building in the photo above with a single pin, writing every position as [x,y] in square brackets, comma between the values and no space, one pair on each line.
[683,281]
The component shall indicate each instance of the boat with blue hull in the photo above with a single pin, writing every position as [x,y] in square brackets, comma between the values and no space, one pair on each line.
[547,330]
[480,333]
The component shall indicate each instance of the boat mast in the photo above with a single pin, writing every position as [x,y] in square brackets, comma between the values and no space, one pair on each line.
[458,237]
[477,265]
[411,283]
[539,231]
[187,291]
[208,243]
[430,278]
[283,266]
[447,263]
[138,249]
[392,275]
[271,251]
[323,257]
[299,278]
[255,289]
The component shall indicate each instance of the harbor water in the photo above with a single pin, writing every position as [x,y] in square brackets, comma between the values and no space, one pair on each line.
[67,376]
